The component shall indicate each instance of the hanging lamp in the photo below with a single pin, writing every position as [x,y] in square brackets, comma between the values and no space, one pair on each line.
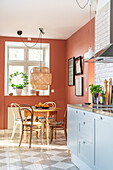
[40,77]
[88,55]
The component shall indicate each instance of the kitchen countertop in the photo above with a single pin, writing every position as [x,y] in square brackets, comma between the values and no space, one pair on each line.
[107,111]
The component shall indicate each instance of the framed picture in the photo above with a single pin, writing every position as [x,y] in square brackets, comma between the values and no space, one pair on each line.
[71,71]
[79,86]
[78,66]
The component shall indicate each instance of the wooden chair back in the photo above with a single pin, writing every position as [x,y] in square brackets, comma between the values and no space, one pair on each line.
[25,107]
[51,104]
[65,117]
[15,110]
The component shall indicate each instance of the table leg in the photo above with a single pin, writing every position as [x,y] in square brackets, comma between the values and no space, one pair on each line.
[69,154]
[26,128]
[37,131]
[55,128]
[47,128]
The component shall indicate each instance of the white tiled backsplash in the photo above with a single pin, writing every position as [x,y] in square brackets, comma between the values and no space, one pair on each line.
[102,38]
[103,71]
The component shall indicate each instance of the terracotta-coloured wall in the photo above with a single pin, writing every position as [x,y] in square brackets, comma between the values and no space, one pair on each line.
[76,46]
[57,68]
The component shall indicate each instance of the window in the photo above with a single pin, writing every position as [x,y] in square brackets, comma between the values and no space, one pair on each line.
[23,59]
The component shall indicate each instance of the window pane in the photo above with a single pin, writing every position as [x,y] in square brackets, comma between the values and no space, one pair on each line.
[35,55]
[29,71]
[16,54]
[13,69]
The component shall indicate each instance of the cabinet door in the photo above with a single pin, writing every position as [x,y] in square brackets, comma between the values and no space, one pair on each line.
[72,130]
[104,143]
[86,151]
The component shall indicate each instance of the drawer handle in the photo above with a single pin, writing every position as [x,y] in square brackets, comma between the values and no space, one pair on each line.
[84,113]
[84,142]
[101,118]
[84,123]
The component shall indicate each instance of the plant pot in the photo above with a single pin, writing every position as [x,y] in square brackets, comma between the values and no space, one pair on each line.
[18,91]
[37,93]
[95,98]
[32,91]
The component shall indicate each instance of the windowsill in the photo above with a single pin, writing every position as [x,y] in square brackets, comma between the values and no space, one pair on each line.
[24,95]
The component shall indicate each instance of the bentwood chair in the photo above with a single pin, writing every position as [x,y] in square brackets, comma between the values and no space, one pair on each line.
[51,118]
[58,125]
[16,117]
[31,125]
[52,105]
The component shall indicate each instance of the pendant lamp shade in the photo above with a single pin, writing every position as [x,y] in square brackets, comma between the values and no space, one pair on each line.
[40,78]
[89,54]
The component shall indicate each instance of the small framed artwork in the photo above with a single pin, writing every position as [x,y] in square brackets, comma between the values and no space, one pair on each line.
[71,71]
[78,66]
[79,86]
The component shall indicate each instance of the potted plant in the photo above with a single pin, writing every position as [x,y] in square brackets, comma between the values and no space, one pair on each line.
[95,90]
[18,81]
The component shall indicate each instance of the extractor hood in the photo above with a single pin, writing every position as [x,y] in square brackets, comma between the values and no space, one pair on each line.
[104,33]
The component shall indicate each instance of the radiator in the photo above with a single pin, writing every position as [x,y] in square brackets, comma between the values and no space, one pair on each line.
[11,118]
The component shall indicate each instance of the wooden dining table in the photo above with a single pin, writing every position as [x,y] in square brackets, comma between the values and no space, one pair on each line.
[43,113]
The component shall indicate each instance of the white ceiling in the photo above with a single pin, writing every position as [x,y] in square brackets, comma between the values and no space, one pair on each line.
[59,18]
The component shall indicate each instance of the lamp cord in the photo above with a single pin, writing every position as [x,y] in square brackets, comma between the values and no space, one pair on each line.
[32,45]
[40,48]
[40,36]
[90,25]
[84,5]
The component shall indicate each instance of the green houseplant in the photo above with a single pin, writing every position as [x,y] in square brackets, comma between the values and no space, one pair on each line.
[95,90]
[18,80]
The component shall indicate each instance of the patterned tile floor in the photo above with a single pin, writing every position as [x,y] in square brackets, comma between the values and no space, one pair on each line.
[39,157]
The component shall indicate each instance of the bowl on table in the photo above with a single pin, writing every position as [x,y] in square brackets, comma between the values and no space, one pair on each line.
[46,107]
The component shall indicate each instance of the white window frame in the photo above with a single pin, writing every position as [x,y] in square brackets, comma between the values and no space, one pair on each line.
[26,62]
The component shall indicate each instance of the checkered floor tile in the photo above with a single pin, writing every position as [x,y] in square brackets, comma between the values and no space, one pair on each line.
[39,157]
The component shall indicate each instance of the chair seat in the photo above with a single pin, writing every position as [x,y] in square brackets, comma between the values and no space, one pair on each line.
[19,119]
[43,118]
[55,123]
[34,123]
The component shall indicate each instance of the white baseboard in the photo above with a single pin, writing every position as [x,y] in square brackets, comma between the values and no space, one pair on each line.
[81,165]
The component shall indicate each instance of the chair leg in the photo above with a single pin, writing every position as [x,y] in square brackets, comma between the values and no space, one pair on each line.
[37,134]
[14,129]
[20,129]
[21,135]
[42,134]
[51,137]
[65,133]
[30,137]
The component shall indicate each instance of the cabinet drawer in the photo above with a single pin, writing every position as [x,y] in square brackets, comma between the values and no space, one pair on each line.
[85,115]
[86,129]
[86,151]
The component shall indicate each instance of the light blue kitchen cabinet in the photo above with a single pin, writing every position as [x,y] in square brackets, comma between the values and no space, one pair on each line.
[72,129]
[103,143]
[86,137]
[86,151]
[90,139]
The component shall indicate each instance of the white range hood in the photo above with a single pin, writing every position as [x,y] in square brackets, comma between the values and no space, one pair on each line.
[104,32]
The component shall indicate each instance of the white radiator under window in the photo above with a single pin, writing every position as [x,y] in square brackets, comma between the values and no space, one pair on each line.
[11,118]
